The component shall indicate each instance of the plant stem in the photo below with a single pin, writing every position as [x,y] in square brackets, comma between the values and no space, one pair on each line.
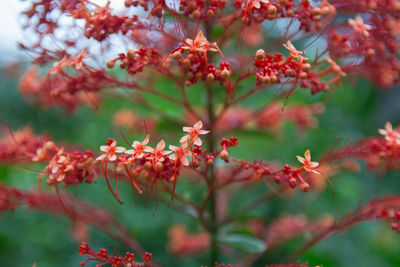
[214,250]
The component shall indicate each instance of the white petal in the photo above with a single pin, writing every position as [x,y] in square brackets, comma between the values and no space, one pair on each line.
[120,149]
[198,125]
[112,158]
[104,148]
[187,129]
[198,142]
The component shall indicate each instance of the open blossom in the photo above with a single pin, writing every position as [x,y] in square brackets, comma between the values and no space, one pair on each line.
[159,152]
[194,133]
[359,26]
[294,53]
[309,165]
[181,153]
[58,166]
[391,136]
[201,43]
[111,149]
[139,148]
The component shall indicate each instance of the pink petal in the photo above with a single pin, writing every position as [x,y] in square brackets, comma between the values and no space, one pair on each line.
[101,157]
[198,125]
[187,129]
[119,149]
[301,159]
[161,145]
[104,148]
[307,155]
[130,152]
[184,139]
[198,142]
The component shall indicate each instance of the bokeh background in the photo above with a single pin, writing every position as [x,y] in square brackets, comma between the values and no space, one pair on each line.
[356,110]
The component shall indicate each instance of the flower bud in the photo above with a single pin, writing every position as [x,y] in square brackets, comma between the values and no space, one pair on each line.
[186,63]
[304,187]
[271,10]
[158,167]
[188,83]
[148,166]
[176,55]
[196,14]
[316,11]
[224,155]
[302,75]
[260,54]
[210,13]
[49,145]
[130,54]
[306,67]
[110,64]
[225,74]
[210,78]
[265,79]
[274,79]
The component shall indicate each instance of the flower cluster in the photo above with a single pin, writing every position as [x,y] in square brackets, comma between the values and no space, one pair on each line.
[155,163]
[116,261]
[382,152]
[201,9]
[309,16]
[193,60]
[134,61]
[372,37]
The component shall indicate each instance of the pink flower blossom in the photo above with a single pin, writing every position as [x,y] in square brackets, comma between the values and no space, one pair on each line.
[309,165]
[111,149]
[139,148]
[180,153]
[194,133]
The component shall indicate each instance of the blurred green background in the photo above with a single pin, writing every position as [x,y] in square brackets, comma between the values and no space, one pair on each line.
[356,110]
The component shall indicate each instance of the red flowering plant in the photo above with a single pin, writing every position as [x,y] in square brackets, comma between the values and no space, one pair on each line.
[201,78]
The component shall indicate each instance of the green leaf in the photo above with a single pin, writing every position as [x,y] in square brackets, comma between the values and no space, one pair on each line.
[245,243]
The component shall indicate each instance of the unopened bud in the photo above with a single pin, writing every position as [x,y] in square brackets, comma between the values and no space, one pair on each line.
[292,182]
[210,12]
[196,14]
[224,155]
[260,54]
[265,79]
[176,55]
[225,74]
[186,63]
[316,17]
[49,145]
[148,166]
[210,78]
[304,187]
[316,11]
[271,10]
[302,75]
[188,84]
[194,163]
[159,166]
[274,79]
[306,67]
[110,64]
[130,54]
[325,11]
[128,3]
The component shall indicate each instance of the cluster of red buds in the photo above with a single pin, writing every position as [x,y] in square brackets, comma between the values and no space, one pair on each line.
[20,146]
[69,83]
[134,61]
[195,62]
[201,9]
[382,152]
[156,163]
[116,261]
[309,16]
[157,6]
[293,177]
[100,23]
[372,37]
[227,143]
[273,68]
